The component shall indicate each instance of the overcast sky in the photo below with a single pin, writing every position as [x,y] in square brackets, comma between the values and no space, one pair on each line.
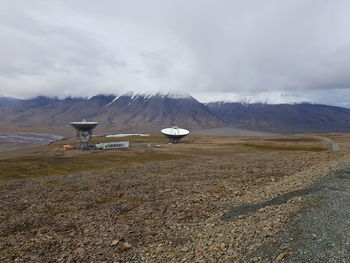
[271,50]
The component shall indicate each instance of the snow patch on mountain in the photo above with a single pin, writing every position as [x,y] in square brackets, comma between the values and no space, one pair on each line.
[116,97]
[282,99]
[161,94]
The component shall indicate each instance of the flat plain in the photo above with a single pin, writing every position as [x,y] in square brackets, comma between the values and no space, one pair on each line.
[159,202]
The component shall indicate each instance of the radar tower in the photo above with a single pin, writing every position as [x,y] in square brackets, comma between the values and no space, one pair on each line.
[84,133]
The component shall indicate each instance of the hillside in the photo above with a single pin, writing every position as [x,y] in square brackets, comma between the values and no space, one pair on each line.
[6,101]
[131,111]
[291,118]
[149,112]
[154,111]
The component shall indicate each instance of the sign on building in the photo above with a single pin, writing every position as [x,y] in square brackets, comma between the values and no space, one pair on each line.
[112,145]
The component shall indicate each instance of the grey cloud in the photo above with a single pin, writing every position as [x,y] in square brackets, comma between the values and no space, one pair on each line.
[157,63]
[226,49]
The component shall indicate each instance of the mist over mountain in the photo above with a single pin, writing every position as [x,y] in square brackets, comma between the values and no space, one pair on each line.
[5,101]
[280,50]
[155,110]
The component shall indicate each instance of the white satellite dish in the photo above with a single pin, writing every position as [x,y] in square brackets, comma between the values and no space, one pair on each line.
[175,133]
[84,125]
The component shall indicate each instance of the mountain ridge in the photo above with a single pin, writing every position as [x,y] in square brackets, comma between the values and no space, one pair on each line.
[290,118]
[150,111]
[130,111]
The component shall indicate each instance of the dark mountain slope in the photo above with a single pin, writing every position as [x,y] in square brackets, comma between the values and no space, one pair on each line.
[6,101]
[154,111]
[25,111]
[302,117]
[83,109]
[52,111]
[130,112]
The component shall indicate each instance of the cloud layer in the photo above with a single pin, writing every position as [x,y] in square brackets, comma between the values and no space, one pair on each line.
[277,50]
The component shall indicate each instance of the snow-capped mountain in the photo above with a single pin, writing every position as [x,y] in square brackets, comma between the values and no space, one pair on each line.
[292,117]
[155,110]
[132,111]
[159,94]
[151,111]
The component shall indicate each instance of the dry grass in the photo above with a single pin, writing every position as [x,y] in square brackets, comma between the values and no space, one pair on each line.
[51,160]
[60,162]
[159,199]
[284,147]
[293,140]
[153,138]
[110,198]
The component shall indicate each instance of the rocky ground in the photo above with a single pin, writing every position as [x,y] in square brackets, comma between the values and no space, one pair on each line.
[181,210]
[320,232]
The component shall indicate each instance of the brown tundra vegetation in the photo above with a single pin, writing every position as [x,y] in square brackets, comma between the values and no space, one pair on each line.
[156,202]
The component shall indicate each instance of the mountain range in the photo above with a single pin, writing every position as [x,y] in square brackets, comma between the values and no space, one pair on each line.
[156,110]
[4,101]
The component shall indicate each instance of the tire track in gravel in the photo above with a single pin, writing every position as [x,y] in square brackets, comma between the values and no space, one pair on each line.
[247,208]
[321,232]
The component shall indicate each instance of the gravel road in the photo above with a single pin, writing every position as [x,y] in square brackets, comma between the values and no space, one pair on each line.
[321,230]
[333,146]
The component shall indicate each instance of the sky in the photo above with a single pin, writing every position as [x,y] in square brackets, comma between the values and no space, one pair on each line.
[273,51]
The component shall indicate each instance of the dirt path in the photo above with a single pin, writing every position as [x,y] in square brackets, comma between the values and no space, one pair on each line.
[321,232]
[333,146]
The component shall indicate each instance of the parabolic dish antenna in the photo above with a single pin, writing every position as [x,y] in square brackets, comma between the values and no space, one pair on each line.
[84,132]
[175,133]
[84,125]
